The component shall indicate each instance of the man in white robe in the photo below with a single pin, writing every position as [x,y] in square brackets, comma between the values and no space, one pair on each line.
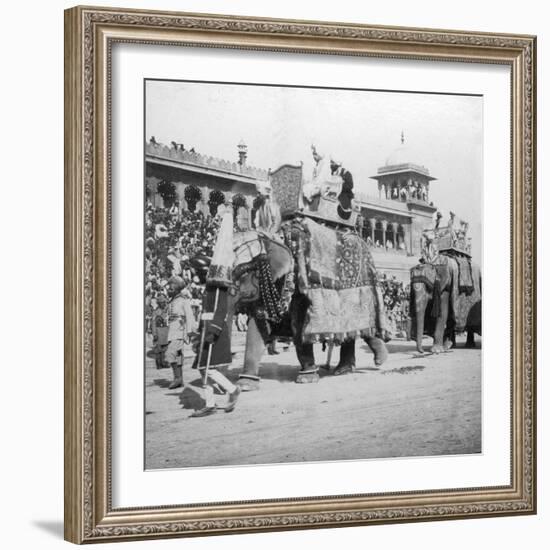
[321,177]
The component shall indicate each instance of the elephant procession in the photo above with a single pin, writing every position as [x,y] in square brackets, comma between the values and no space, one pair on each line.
[305,277]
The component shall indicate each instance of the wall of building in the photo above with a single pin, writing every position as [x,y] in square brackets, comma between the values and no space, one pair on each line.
[205,183]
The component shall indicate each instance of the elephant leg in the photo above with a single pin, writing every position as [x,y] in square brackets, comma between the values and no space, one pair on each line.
[441,323]
[329,348]
[308,371]
[448,342]
[420,303]
[378,347]
[347,358]
[449,339]
[470,340]
[249,379]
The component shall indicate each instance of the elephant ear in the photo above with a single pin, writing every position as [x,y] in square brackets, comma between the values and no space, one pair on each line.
[248,289]
[281,263]
[280,258]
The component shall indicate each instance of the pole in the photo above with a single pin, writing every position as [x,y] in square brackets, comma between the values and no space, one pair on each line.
[201,345]
[209,356]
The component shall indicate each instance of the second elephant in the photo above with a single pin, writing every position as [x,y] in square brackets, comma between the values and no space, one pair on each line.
[445,300]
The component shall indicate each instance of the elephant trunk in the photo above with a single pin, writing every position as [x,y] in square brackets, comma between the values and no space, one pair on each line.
[436,300]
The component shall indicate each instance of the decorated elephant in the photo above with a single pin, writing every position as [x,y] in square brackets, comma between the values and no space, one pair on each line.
[314,284]
[445,300]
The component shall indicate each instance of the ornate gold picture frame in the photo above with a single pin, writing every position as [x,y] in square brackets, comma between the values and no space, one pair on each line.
[90,34]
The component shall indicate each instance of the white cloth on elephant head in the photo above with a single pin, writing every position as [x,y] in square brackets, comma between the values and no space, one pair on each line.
[220,272]
[247,245]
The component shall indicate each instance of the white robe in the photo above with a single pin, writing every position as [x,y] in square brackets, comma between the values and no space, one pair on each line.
[321,178]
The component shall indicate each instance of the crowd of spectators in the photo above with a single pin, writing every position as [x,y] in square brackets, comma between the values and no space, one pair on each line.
[400,245]
[396,301]
[176,244]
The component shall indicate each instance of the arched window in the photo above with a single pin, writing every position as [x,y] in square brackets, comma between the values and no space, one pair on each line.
[379,234]
[390,237]
[192,195]
[167,190]
[257,203]
[238,201]
[215,198]
[367,229]
[401,245]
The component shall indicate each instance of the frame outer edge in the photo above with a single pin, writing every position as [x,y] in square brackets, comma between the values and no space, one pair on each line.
[534,271]
[84,518]
[73,433]
[531,267]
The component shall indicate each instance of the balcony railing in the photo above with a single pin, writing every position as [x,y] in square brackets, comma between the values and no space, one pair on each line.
[367,200]
[398,204]
[170,153]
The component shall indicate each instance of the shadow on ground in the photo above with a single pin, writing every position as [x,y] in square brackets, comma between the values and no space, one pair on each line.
[407,369]
[191,398]
[162,382]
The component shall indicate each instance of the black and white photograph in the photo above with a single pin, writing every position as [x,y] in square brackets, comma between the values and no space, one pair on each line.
[312,274]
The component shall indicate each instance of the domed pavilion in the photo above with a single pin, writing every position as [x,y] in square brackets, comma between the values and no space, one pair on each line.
[394,221]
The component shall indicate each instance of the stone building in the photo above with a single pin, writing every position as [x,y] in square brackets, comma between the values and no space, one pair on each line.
[394,220]
[197,182]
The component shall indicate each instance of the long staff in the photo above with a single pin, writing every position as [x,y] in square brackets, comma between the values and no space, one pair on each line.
[209,356]
[201,344]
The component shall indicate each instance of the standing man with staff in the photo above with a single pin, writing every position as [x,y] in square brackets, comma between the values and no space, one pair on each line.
[181,323]
[215,331]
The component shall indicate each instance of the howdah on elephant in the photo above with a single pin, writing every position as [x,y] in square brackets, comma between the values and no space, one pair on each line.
[316,284]
[445,300]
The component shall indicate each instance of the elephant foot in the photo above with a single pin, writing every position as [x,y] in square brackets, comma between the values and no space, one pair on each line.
[447,345]
[379,349]
[420,350]
[343,369]
[437,349]
[248,383]
[308,377]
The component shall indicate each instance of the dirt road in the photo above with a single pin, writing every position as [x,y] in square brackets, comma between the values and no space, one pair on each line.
[412,406]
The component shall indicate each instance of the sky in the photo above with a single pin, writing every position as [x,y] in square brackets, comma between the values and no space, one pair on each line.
[360,128]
